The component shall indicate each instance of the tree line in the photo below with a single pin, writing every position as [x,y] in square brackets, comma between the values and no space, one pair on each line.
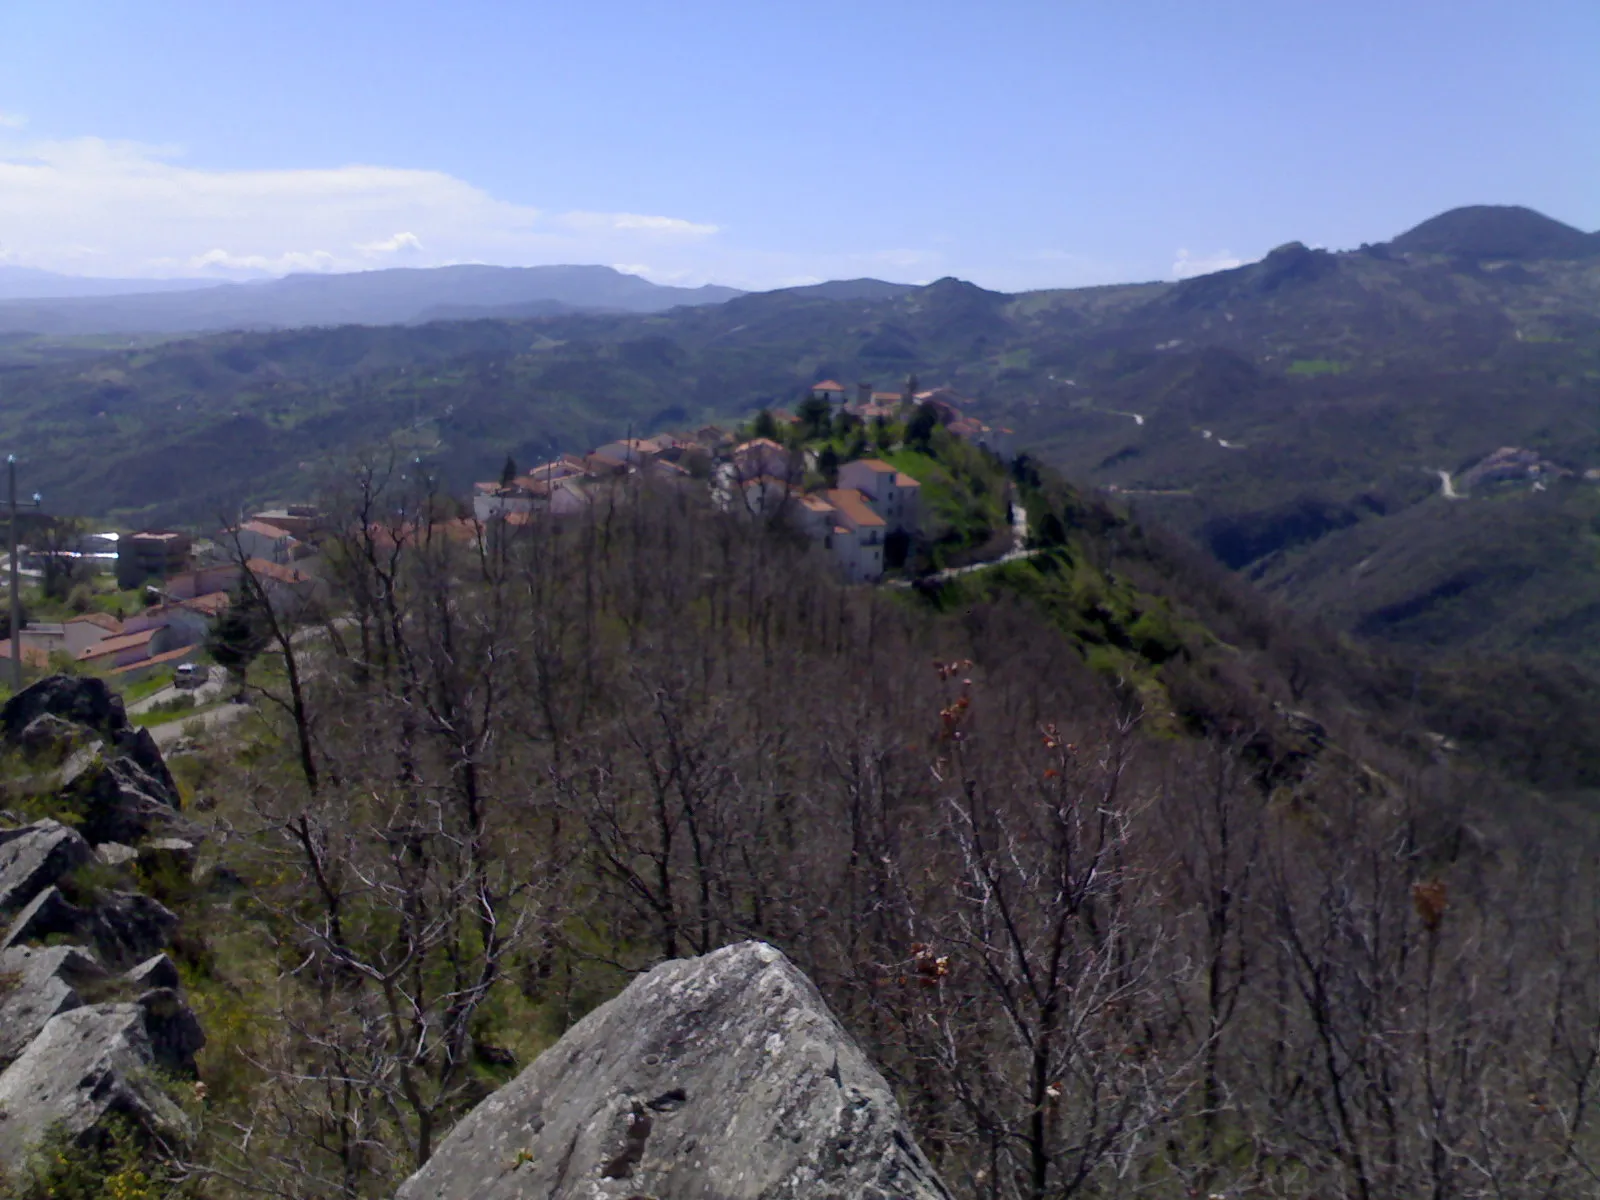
[1096,957]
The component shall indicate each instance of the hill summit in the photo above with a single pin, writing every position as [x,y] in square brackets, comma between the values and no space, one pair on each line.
[1497,231]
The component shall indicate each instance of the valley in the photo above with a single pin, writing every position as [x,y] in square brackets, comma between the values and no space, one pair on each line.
[1294,415]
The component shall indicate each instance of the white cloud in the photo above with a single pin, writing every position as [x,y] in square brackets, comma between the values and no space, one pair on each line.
[91,206]
[400,243]
[282,264]
[631,268]
[635,222]
[1188,266]
[12,120]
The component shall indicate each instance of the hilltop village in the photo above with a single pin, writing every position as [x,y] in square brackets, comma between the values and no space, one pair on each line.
[825,469]
[883,482]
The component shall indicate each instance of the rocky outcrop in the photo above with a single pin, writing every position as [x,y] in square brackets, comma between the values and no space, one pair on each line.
[118,799]
[36,856]
[114,778]
[125,928]
[37,983]
[85,1066]
[96,1028]
[158,971]
[716,1078]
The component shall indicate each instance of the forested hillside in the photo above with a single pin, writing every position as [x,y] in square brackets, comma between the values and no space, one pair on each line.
[1325,421]
[1125,883]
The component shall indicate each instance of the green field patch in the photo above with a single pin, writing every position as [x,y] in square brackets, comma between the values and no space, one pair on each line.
[1317,366]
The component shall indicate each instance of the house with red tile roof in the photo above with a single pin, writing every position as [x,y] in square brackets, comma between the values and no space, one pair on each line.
[763,456]
[33,657]
[830,390]
[146,666]
[291,591]
[892,494]
[632,451]
[127,648]
[856,537]
[258,539]
[71,637]
[224,577]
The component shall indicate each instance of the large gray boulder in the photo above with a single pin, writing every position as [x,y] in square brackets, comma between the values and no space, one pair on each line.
[86,1066]
[77,699]
[125,928]
[37,983]
[91,706]
[118,799]
[34,858]
[716,1078]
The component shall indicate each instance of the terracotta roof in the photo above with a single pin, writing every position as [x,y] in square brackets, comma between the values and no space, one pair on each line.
[764,481]
[892,397]
[759,444]
[104,620]
[561,468]
[901,479]
[144,664]
[265,530]
[32,656]
[262,569]
[123,641]
[816,504]
[827,385]
[876,465]
[211,603]
[853,507]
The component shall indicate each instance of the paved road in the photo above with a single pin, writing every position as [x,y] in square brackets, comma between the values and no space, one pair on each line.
[208,691]
[1019,550]
[216,718]
[1447,486]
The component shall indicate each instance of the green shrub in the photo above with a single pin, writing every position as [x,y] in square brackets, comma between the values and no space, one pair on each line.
[119,1166]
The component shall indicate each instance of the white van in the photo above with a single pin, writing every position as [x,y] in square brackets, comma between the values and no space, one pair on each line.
[188,676]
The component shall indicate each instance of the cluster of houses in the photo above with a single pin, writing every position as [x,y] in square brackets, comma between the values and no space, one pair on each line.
[857,521]
[565,485]
[191,585]
[873,503]
[868,405]
[857,518]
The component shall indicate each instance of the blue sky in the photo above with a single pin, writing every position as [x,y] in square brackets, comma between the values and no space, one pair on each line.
[1016,144]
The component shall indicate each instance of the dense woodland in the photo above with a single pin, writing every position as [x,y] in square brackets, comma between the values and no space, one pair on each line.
[1116,876]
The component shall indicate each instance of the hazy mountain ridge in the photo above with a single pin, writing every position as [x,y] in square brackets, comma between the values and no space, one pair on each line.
[1297,407]
[398,295]
[31,283]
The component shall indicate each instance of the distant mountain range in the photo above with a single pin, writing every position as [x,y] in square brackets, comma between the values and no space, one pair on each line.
[1298,416]
[30,283]
[398,296]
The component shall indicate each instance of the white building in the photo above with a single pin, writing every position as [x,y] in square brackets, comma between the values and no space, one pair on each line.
[763,456]
[892,494]
[258,539]
[856,536]
[832,391]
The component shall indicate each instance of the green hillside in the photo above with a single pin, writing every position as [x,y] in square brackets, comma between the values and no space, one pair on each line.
[1293,414]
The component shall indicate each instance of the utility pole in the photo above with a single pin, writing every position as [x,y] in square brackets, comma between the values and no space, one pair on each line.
[16,588]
